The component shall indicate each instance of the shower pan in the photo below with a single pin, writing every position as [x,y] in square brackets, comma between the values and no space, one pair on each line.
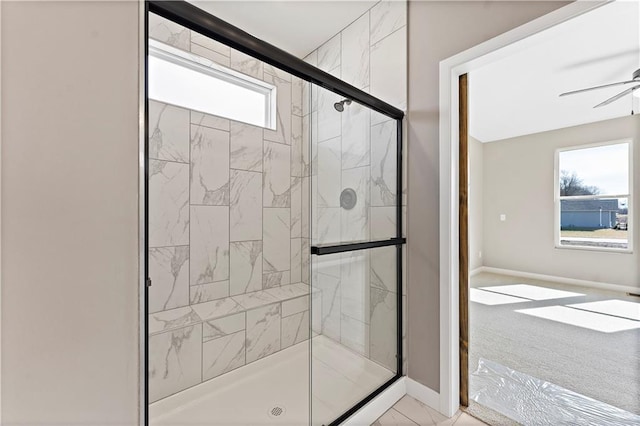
[274,233]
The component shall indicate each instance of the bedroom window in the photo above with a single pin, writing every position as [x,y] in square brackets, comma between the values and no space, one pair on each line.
[593,197]
[186,80]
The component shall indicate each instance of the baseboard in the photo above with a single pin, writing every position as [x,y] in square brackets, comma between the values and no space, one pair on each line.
[476,271]
[560,280]
[378,405]
[423,394]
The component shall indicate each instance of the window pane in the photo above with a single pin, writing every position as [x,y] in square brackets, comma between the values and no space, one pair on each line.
[197,84]
[594,223]
[599,170]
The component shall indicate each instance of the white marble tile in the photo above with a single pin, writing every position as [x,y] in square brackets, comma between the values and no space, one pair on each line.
[276,279]
[255,299]
[354,335]
[206,292]
[224,326]
[296,96]
[386,17]
[282,133]
[263,332]
[356,136]
[208,120]
[329,54]
[209,166]
[168,32]
[383,268]
[355,221]
[222,355]
[294,306]
[305,148]
[414,410]
[328,225]
[393,418]
[289,291]
[169,132]
[210,43]
[389,69]
[174,361]
[169,273]
[306,98]
[245,209]
[312,58]
[209,256]
[277,72]
[246,147]
[313,157]
[296,260]
[383,222]
[330,293]
[168,203]
[316,311]
[329,173]
[355,52]
[217,308]
[296,207]
[306,261]
[210,54]
[296,145]
[276,240]
[246,64]
[354,289]
[246,267]
[295,329]
[383,164]
[305,230]
[276,180]
[383,328]
[329,119]
[172,319]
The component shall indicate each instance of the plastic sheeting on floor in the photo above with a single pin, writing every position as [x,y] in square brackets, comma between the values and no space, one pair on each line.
[532,401]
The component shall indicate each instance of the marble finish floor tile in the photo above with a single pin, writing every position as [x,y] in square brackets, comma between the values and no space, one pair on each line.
[409,411]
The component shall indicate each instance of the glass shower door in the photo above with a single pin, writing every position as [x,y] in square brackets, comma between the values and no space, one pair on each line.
[355,253]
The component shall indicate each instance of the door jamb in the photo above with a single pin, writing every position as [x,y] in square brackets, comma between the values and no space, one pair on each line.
[450,70]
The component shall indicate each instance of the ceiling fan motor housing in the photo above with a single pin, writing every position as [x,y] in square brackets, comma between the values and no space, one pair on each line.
[636,74]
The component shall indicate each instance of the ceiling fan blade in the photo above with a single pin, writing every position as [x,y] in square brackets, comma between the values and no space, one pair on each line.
[620,83]
[618,96]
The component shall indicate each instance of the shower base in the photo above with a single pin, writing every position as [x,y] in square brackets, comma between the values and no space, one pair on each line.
[275,390]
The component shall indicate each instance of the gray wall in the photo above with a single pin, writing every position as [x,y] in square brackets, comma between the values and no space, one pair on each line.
[518,181]
[70,213]
[476,200]
[438,30]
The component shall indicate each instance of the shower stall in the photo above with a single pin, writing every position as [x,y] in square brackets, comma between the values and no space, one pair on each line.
[274,231]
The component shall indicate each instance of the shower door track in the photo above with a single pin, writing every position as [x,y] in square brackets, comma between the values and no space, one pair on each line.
[196,19]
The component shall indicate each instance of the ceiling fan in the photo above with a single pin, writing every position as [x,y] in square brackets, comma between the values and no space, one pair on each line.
[635,80]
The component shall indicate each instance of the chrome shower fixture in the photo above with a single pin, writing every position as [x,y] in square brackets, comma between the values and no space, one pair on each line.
[339,106]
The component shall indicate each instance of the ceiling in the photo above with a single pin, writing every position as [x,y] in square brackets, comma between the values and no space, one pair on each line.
[518,95]
[298,27]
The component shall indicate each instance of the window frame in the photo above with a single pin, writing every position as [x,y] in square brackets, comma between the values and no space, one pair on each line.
[214,70]
[558,198]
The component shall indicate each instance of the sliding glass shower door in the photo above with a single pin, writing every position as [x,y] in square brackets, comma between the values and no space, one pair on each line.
[355,247]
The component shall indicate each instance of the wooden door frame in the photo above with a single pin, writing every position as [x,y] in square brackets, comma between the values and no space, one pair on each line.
[463,235]
[450,70]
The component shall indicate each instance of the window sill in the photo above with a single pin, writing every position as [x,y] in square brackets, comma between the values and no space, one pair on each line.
[598,249]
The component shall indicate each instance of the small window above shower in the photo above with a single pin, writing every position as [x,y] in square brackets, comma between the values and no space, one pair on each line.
[190,81]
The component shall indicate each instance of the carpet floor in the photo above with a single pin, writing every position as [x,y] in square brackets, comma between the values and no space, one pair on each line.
[590,348]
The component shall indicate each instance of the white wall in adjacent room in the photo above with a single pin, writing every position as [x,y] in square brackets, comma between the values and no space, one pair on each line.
[519,182]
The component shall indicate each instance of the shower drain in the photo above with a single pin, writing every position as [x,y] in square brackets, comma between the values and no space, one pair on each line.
[277,411]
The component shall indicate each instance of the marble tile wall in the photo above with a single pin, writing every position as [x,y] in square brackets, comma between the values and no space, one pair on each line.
[356,149]
[225,229]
